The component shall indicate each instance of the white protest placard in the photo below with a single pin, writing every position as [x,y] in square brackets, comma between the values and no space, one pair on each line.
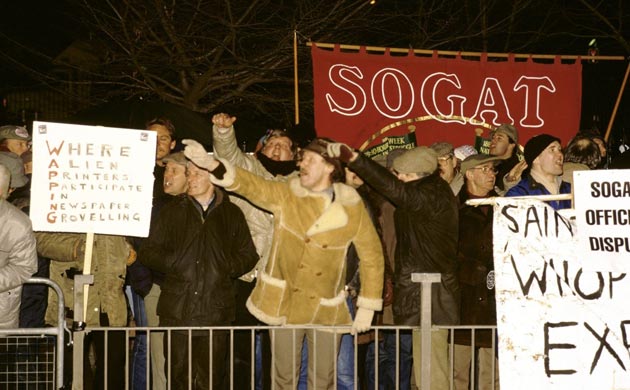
[560,325]
[92,179]
[602,209]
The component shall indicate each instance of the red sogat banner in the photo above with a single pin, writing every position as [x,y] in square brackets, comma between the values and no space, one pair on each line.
[377,102]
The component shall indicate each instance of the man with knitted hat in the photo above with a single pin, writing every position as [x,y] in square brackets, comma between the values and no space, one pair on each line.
[426,220]
[544,158]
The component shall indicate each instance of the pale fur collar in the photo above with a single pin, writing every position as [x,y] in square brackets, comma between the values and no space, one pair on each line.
[334,215]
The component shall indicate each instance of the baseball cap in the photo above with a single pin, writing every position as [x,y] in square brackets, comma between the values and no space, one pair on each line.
[14,132]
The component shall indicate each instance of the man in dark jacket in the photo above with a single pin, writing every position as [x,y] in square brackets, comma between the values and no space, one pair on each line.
[426,220]
[476,273]
[201,243]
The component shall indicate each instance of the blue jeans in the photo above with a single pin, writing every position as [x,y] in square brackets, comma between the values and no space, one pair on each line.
[345,360]
[405,357]
[138,370]
[386,361]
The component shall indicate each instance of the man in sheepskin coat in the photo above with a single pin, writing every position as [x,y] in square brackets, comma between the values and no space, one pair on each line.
[316,218]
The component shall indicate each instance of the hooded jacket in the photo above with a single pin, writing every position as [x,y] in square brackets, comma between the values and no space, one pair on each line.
[18,261]
[200,254]
[303,281]
[426,220]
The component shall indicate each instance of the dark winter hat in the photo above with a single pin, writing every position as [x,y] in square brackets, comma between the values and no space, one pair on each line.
[417,160]
[320,146]
[536,145]
[14,132]
[508,130]
[476,160]
[15,165]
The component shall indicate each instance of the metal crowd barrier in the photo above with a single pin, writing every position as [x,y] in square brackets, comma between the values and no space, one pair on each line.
[33,358]
[36,360]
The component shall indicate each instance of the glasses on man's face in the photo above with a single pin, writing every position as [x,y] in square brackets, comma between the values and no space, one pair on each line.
[486,169]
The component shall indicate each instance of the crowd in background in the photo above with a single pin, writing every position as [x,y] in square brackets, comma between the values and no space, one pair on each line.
[314,234]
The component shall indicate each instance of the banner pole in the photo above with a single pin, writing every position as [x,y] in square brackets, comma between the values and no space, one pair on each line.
[469,53]
[295,78]
[614,112]
[87,269]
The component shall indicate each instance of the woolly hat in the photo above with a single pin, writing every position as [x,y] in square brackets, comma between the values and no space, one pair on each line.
[320,146]
[464,151]
[508,130]
[15,165]
[416,160]
[536,145]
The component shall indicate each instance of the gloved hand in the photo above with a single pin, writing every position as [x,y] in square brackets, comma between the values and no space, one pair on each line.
[340,151]
[198,155]
[362,321]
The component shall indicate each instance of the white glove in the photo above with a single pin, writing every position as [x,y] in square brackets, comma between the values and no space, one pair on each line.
[362,321]
[198,155]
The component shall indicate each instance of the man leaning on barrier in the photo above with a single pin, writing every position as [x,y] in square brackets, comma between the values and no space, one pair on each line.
[316,218]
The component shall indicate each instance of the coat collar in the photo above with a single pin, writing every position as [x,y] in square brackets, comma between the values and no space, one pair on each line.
[334,215]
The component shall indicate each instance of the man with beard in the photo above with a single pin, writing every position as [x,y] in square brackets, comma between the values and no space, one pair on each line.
[544,158]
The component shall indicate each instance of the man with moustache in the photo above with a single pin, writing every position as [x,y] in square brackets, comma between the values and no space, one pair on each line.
[543,154]
[201,243]
[316,218]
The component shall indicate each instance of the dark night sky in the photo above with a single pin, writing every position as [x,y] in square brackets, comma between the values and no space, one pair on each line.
[45,27]
[34,27]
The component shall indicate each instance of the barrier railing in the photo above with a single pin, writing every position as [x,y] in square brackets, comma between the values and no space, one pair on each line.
[250,356]
[34,357]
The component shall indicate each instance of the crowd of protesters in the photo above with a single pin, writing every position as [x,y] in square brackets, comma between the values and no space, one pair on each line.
[314,236]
